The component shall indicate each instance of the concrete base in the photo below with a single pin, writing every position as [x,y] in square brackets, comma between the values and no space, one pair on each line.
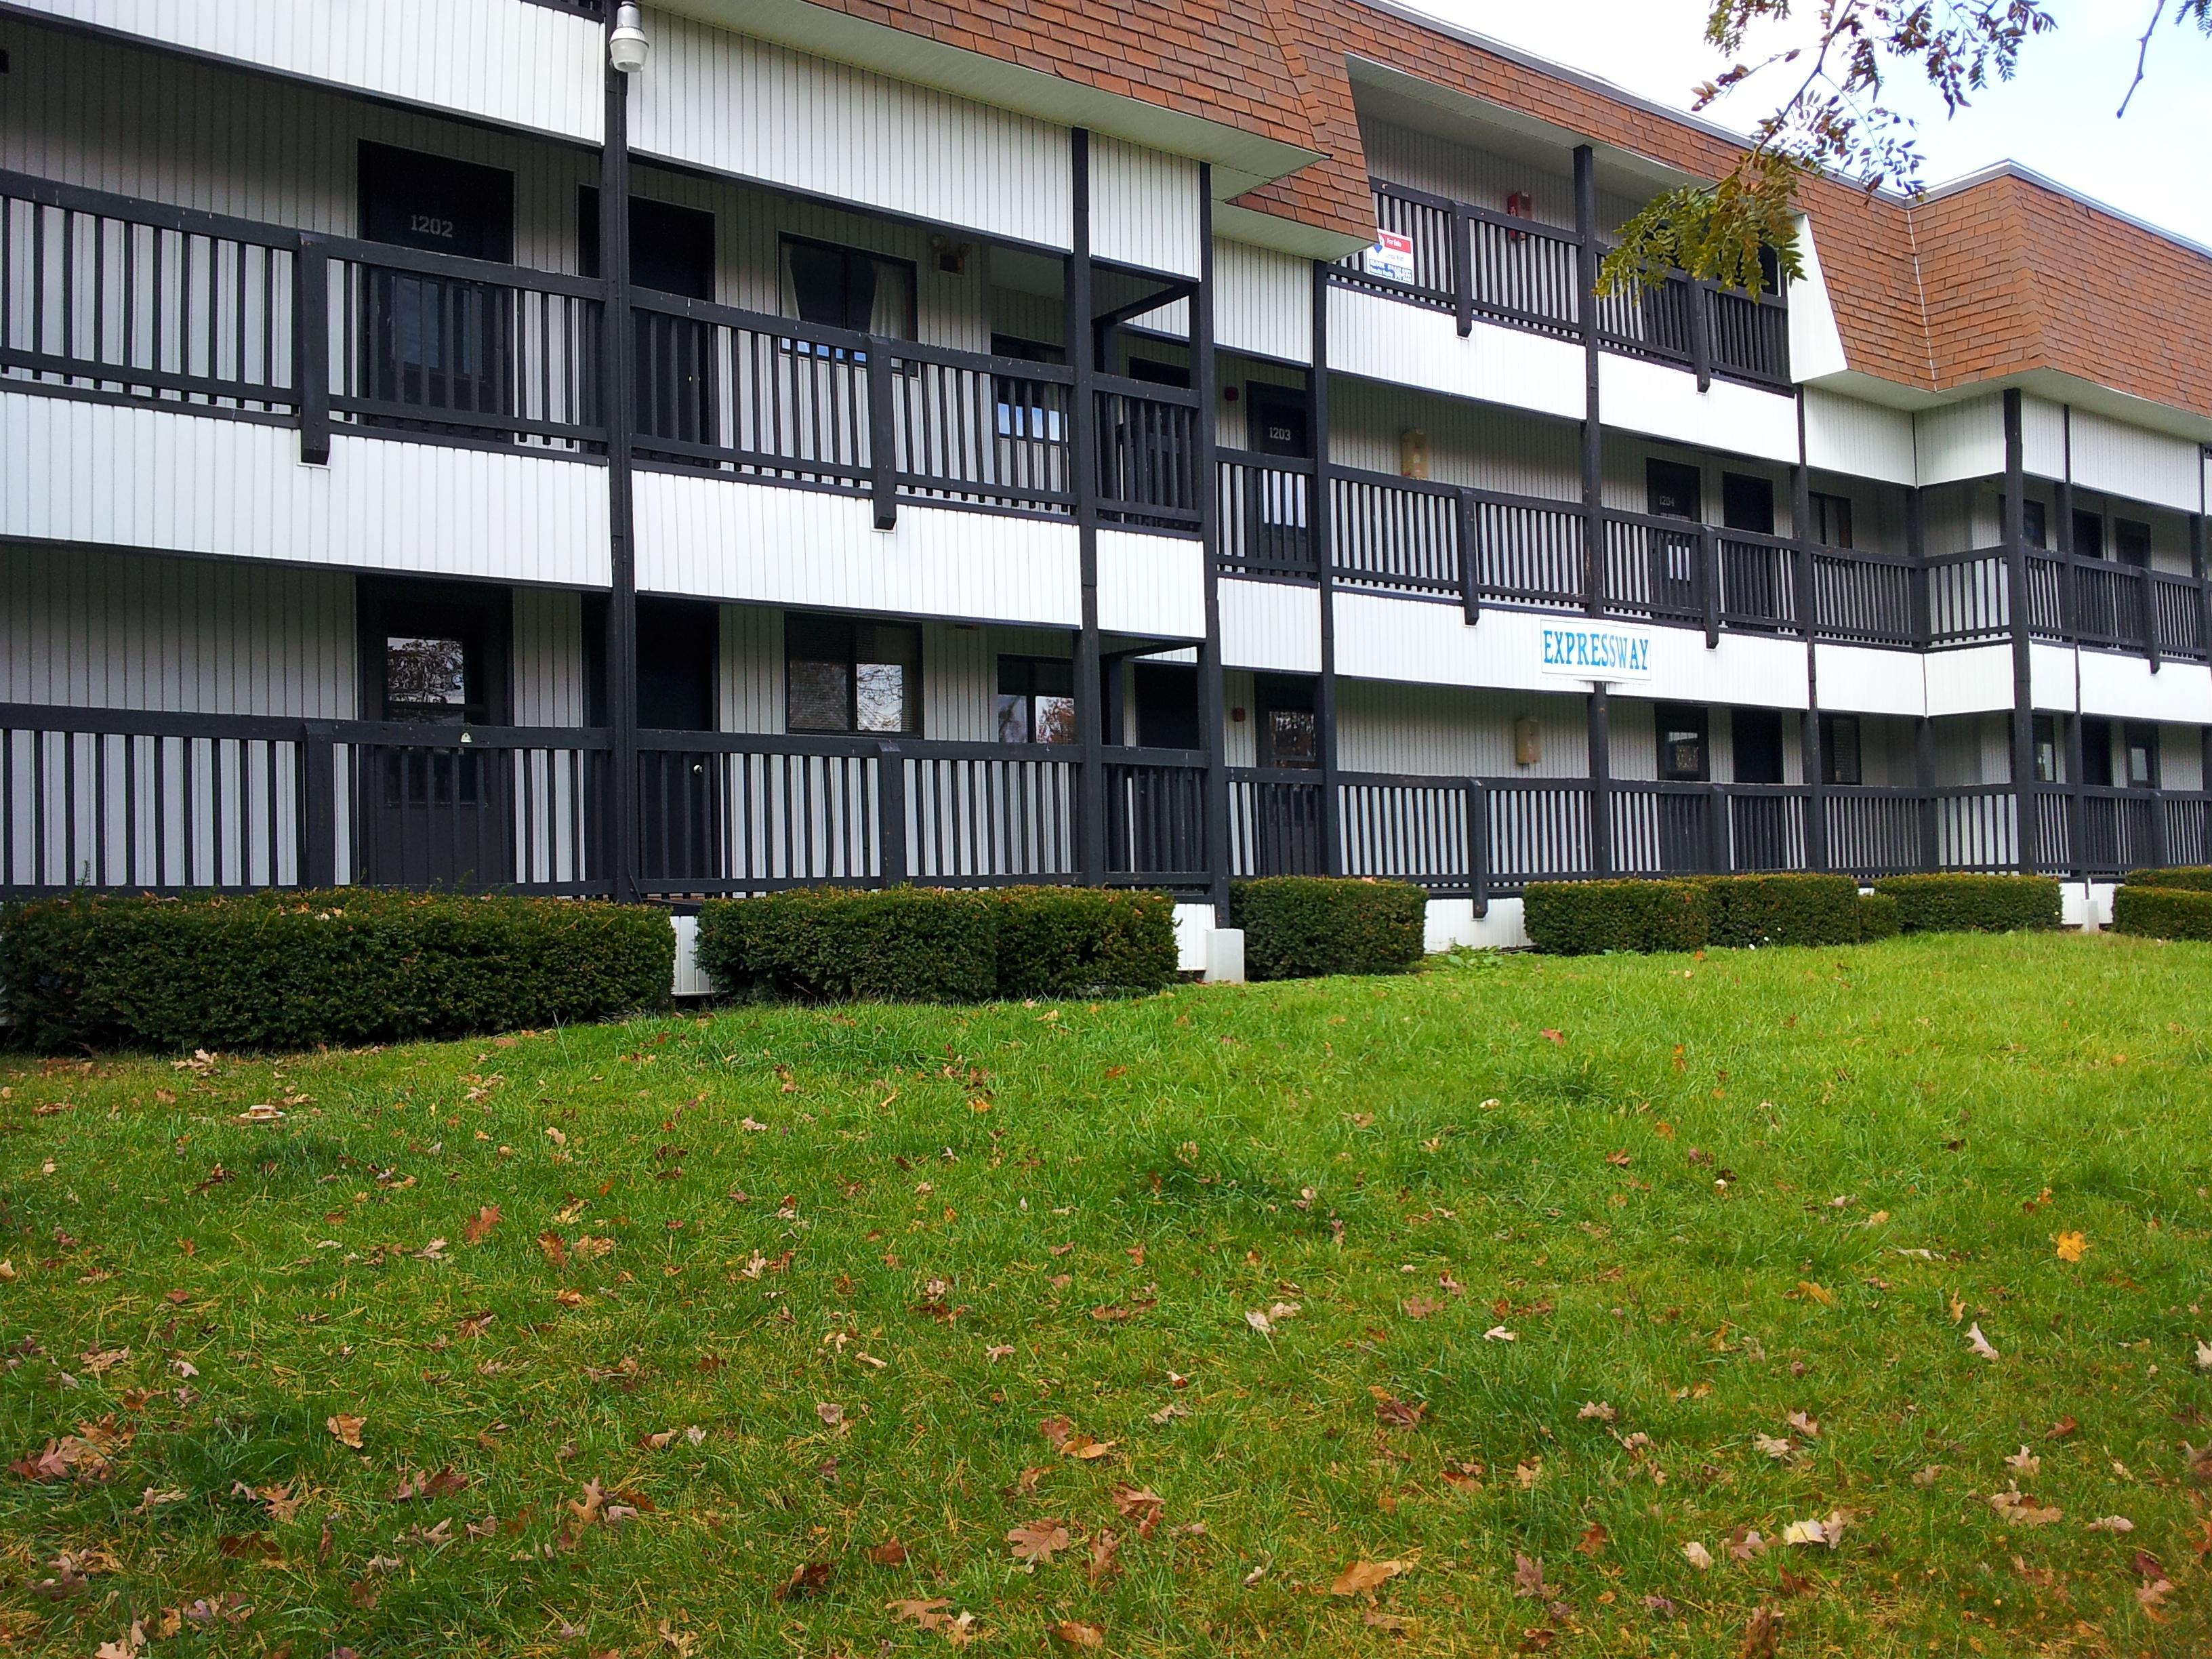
[1453,924]
[1225,955]
[2086,905]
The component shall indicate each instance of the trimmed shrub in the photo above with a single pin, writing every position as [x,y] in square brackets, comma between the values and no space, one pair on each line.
[1585,918]
[2163,912]
[1877,916]
[844,944]
[1961,904]
[1782,909]
[1079,941]
[2183,879]
[297,970]
[1303,926]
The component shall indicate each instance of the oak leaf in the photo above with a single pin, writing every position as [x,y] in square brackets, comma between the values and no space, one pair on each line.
[1038,1541]
[346,1429]
[1365,1577]
[1072,1634]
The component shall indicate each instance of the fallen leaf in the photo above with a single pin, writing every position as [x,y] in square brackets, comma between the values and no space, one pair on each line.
[1595,1538]
[2025,1460]
[1774,1447]
[1927,1476]
[1069,1632]
[1745,1544]
[1812,1292]
[1808,1426]
[2072,1247]
[1698,1555]
[1038,1541]
[1596,1410]
[1365,1577]
[2119,1523]
[2063,1427]
[1761,1636]
[1423,1307]
[1526,1475]
[810,1578]
[832,1415]
[2204,1355]
[2020,1510]
[1979,1343]
[1499,1333]
[346,1429]
[1528,1577]
[1551,1035]
[1395,1413]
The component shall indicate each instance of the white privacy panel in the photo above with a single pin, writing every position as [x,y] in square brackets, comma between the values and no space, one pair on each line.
[1263,302]
[1273,625]
[1665,403]
[1379,338]
[1153,586]
[1960,440]
[732,104]
[1447,731]
[2042,437]
[89,627]
[1144,208]
[2142,466]
[1863,440]
[109,474]
[496,60]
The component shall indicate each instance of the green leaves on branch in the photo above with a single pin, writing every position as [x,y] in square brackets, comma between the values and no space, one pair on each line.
[1715,233]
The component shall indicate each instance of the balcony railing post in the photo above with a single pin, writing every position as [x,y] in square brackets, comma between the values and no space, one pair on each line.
[1470,560]
[2149,585]
[890,814]
[1708,582]
[1462,262]
[1478,846]
[2154,813]
[883,432]
[311,348]
[318,813]
[1719,855]
[1923,767]
[1701,331]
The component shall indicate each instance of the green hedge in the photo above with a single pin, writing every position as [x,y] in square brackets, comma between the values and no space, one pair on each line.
[2183,879]
[1585,918]
[1079,941]
[2162,912]
[1960,903]
[1784,909]
[295,970]
[1303,926]
[932,944]
[1877,916]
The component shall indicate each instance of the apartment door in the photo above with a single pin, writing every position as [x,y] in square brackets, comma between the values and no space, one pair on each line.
[1279,421]
[1753,576]
[1165,695]
[1286,811]
[430,810]
[436,343]
[1685,825]
[1760,822]
[1674,490]
[680,807]
[671,252]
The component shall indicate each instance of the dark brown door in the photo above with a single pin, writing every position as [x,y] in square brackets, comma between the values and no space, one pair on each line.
[671,252]
[1674,490]
[679,806]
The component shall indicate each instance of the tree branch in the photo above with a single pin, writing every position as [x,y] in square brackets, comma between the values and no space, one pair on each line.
[2143,55]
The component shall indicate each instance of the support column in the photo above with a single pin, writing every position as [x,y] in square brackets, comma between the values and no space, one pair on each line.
[617,393]
[1586,265]
[1923,779]
[1321,531]
[2014,536]
[1211,703]
[2069,622]
[1600,772]
[1082,470]
[1815,763]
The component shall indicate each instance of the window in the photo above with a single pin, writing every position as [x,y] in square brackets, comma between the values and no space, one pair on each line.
[2088,534]
[844,287]
[1036,700]
[2046,748]
[1029,410]
[2142,739]
[425,677]
[1682,752]
[1290,735]
[1832,520]
[1839,749]
[2034,529]
[2131,542]
[851,676]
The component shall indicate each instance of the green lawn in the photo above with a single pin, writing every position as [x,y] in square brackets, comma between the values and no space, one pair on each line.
[759,1333]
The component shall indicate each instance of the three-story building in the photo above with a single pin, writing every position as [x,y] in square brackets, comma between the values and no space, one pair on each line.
[740,443]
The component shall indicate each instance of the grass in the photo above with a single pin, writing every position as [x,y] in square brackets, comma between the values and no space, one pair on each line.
[829,1281]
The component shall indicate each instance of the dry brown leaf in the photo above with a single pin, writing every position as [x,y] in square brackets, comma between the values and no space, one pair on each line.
[1698,1555]
[1393,1413]
[889,1553]
[1761,1636]
[1038,1541]
[1595,1538]
[1979,1343]
[1597,1411]
[346,1429]
[478,1227]
[1528,1577]
[1070,1633]
[2072,1247]
[1365,1577]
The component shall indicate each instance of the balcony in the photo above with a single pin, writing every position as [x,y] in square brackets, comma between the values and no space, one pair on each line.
[1518,273]
[2071,600]
[114,300]
[1417,539]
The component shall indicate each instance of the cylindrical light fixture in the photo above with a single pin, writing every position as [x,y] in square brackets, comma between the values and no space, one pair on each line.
[627,46]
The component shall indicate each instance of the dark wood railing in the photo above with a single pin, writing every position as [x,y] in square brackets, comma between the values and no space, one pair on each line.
[1476,263]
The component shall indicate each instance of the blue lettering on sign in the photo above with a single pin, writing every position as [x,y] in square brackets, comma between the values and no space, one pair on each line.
[1600,651]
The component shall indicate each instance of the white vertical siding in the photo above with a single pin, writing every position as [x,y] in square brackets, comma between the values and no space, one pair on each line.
[1144,208]
[735,105]
[2042,437]
[1851,436]
[1377,337]
[1665,402]
[1445,732]
[1263,302]
[2140,465]
[1239,696]
[86,627]
[1153,587]
[751,681]
[1422,160]
[547,656]
[518,65]
[1271,625]
[1960,440]
[1469,443]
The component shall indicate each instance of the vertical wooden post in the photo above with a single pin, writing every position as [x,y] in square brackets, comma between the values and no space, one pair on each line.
[618,391]
[1916,548]
[1323,520]
[890,814]
[1709,582]
[2025,804]
[1923,779]
[1082,449]
[1701,331]
[1812,751]
[1462,262]
[1470,560]
[1599,714]
[1212,701]
[1593,433]
[319,819]
[1720,853]
[883,432]
[1478,844]
[311,348]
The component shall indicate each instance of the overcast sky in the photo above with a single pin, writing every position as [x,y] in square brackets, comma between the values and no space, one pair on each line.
[2056,118]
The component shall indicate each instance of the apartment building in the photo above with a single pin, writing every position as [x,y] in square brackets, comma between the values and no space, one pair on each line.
[669,452]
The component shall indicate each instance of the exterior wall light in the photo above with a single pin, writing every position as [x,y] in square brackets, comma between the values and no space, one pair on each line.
[627,46]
